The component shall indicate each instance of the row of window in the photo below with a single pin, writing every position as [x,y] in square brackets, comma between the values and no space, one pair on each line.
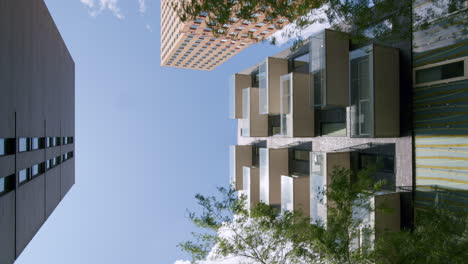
[38,169]
[34,143]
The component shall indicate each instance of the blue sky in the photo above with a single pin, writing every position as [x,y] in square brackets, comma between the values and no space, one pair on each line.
[147,139]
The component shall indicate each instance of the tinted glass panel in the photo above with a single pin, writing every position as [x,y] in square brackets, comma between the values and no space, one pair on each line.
[23,175]
[442,72]
[2,146]
[23,144]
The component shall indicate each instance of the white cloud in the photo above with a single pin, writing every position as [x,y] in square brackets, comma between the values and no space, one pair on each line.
[142,6]
[110,5]
[182,262]
[149,28]
[88,3]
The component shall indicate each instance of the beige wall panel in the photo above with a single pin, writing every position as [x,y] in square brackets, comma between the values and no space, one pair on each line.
[243,158]
[254,187]
[258,123]
[241,81]
[276,68]
[302,195]
[337,65]
[279,166]
[386,92]
[303,115]
[387,213]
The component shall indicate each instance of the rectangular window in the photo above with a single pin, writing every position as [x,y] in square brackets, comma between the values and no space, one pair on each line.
[446,71]
[7,184]
[302,155]
[34,143]
[23,144]
[2,147]
[57,141]
[24,175]
[35,170]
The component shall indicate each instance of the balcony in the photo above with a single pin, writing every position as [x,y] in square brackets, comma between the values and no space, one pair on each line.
[297,117]
[329,69]
[375,92]
[380,156]
[253,124]
[273,165]
[241,156]
[237,82]
[269,74]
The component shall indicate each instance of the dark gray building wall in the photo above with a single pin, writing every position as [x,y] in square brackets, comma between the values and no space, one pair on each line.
[37,95]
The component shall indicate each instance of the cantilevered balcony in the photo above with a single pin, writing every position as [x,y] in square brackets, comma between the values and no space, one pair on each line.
[243,156]
[297,117]
[375,92]
[253,124]
[329,65]
[380,157]
[237,83]
[269,74]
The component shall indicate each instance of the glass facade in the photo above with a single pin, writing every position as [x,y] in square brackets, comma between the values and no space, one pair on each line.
[317,68]
[264,176]
[232,96]
[287,193]
[263,86]
[246,184]
[245,112]
[318,181]
[286,105]
[232,166]
[362,105]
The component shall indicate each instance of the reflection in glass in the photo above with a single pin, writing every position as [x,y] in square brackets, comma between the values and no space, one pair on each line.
[23,145]
[23,175]
[232,96]
[232,166]
[245,112]
[361,93]
[2,146]
[286,105]
[317,67]
[287,193]
[246,184]
[263,86]
[34,143]
[317,186]
[264,176]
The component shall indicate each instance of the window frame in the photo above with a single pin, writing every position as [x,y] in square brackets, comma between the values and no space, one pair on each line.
[432,65]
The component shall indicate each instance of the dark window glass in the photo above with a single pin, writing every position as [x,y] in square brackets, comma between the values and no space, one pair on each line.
[442,72]
[2,147]
[58,141]
[7,184]
[302,155]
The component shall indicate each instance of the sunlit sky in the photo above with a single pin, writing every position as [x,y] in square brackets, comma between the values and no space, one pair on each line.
[148,139]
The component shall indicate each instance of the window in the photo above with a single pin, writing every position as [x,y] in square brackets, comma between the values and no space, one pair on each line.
[7,146]
[7,184]
[23,144]
[198,21]
[34,143]
[2,146]
[35,170]
[446,71]
[24,175]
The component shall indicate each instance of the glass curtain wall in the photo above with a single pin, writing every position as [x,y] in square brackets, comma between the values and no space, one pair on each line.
[362,112]
[246,184]
[264,176]
[317,68]
[286,105]
[318,181]
[287,193]
[263,86]
[245,112]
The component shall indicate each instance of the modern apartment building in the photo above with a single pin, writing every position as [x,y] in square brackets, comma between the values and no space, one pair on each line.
[37,122]
[192,44]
